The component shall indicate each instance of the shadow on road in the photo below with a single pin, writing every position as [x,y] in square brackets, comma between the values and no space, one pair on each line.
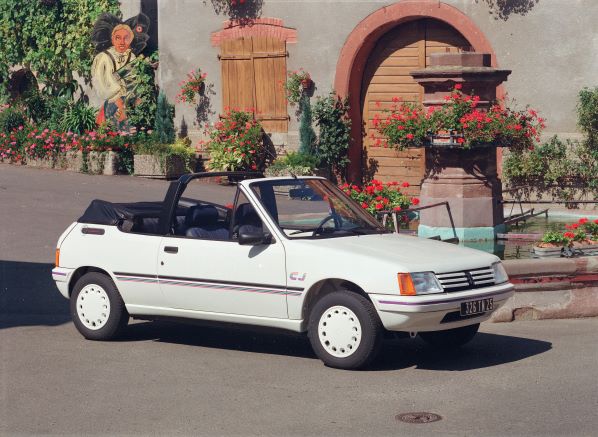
[28,296]
[485,350]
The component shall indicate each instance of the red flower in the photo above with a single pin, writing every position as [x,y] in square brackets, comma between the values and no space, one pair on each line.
[415,201]
[583,220]
[458,86]
[405,184]
[596,221]
[364,205]
[409,136]
[379,206]
[397,208]
[569,235]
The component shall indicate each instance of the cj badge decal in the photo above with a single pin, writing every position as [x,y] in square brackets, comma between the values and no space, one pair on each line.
[296,276]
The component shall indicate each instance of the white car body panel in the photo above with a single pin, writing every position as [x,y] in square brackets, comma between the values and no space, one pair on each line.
[268,285]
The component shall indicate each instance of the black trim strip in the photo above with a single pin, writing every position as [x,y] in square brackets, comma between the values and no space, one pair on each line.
[93,231]
[210,281]
[138,275]
[242,284]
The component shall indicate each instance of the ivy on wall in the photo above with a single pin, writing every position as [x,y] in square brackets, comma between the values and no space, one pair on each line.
[51,39]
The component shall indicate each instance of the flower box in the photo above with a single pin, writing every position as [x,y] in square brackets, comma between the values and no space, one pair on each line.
[452,140]
[151,166]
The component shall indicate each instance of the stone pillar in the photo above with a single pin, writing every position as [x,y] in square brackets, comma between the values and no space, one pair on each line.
[466,178]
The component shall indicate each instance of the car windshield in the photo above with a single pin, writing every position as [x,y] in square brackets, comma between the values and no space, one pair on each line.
[313,208]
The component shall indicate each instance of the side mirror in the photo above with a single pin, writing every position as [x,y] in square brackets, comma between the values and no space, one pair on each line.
[253,236]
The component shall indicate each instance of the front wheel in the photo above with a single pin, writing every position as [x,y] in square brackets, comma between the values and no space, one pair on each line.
[344,330]
[451,338]
[97,308]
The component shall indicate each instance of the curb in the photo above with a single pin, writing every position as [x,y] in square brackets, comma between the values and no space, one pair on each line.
[556,288]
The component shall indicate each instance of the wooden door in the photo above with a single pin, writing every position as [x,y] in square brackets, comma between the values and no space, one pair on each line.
[253,76]
[402,50]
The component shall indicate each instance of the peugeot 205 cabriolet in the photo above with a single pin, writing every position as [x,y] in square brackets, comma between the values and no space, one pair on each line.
[291,253]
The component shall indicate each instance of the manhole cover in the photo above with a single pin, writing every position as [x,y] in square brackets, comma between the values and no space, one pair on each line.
[418,417]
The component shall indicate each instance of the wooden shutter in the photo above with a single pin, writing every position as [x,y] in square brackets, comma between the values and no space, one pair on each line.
[253,76]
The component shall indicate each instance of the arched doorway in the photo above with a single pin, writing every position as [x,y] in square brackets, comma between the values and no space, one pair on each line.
[403,49]
[360,43]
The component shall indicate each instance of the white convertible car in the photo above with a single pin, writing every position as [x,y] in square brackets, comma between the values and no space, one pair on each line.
[290,253]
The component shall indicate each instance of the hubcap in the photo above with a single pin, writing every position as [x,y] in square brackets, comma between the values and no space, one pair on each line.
[93,306]
[339,331]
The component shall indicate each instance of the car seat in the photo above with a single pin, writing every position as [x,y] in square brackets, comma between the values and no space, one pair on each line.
[201,221]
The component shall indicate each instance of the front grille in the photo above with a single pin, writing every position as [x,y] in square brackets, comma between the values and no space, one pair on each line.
[466,279]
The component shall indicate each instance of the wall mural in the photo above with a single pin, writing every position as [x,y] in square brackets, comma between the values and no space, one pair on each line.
[117,44]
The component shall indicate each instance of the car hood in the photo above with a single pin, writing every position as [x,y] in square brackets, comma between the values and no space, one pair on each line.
[411,254]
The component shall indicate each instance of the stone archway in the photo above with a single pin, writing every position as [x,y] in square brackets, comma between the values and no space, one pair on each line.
[361,42]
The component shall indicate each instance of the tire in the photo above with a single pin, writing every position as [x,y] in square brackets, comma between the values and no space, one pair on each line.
[451,338]
[97,308]
[344,330]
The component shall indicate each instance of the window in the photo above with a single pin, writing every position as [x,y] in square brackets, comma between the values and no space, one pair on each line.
[253,76]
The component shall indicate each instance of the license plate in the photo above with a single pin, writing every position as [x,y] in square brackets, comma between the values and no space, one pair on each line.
[477,306]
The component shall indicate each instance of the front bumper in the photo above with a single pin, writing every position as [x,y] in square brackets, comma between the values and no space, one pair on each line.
[434,312]
[62,277]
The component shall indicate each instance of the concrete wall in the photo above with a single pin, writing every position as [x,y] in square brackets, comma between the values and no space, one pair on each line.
[550,45]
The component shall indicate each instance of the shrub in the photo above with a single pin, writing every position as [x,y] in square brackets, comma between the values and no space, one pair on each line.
[295,163]
[11,117]
[78,118]
[236,143]
[143,113]
[149,144]
[377,196]
[331,114]
[587,115]
[164,126]
[307,136]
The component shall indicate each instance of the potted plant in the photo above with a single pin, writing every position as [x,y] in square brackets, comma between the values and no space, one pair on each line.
[581,236]
[192,86]
[298,82]
[293,163]
[153,159]
[459,123]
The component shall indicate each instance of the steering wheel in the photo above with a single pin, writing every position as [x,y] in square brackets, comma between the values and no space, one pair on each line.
[337,223]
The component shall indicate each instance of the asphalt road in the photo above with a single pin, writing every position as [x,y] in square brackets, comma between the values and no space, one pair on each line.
[521,378]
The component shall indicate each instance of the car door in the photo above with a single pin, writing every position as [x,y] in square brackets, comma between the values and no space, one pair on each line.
[222,276]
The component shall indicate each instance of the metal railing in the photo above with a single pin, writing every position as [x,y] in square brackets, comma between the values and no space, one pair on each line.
[383,216]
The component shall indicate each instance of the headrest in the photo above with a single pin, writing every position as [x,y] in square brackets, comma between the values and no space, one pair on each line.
[246,215]
[201,215]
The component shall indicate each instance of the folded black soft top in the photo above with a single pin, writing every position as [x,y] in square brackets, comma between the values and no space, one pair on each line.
[100,212]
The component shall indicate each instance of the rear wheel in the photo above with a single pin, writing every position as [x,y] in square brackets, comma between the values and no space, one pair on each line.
[97,308]
[451,338]
[344,330]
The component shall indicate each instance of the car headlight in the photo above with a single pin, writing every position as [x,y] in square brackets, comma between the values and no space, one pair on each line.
[411,284]
[500,274]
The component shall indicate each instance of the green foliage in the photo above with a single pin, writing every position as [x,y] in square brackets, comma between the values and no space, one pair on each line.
[296,163]
[11,118]
[78,118]
[164,125]
[307,136]
[558,166]
[149,144]
[587,116]
[331,114]
[236,143]
[143,113]
[191,87]
[554,237]
[52,40]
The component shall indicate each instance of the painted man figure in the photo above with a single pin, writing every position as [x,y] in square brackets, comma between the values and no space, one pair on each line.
[117,44]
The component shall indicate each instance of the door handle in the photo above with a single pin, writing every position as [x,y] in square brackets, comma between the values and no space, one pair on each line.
[171,249]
